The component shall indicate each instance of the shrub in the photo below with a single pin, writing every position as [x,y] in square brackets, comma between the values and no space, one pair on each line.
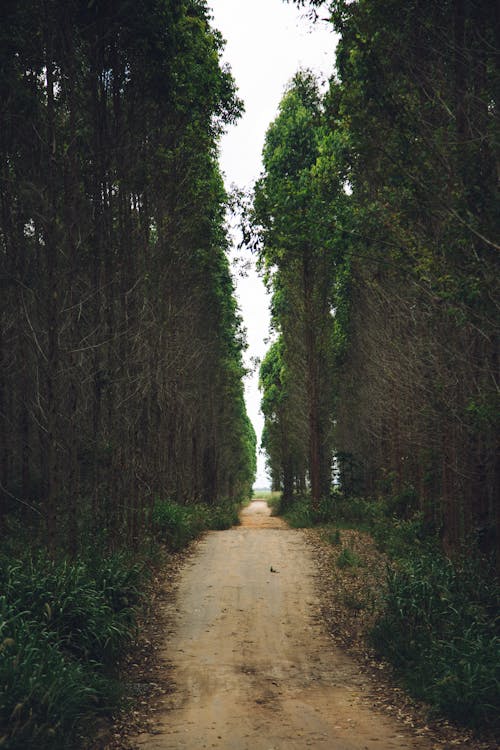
[61,625]
[43,693]
[299,514]
[334,538]
[438,628]
[398,537]
[176,525]
[89,616]
[224,516]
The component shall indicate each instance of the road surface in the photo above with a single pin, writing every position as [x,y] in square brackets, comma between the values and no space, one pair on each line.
[253,667]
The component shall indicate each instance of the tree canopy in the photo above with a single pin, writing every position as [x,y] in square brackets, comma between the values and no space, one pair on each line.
[391,185]
[121,344]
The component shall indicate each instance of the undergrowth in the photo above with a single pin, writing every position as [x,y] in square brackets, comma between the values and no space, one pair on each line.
[440,629]
[439,623]
[62,626]
[65,624]
[175,525]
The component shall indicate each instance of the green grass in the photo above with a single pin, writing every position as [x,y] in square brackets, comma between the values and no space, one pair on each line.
[334,537]
[176,525]
[65,624]
[62,626]
[348,559]
[439,623]
[273,499]
[440,629]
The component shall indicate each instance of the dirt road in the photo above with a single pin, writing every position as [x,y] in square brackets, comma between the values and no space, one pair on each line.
[253,668]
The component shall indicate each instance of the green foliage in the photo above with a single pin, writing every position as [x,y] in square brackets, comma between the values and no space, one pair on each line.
[135,99]
[348,559]
[43,693]
[299,514]
[294,235]
[62,624]
[335,538]
[440,630]
[176,525]
[399,537]
[395,535]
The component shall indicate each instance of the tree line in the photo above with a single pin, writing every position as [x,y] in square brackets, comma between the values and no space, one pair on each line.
[376,222]
[121,344]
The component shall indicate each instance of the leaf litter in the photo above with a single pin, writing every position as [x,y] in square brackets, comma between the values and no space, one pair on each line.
[351,599]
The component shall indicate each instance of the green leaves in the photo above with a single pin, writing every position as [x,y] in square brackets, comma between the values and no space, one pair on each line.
[60,626]
[295,218]
[438,628]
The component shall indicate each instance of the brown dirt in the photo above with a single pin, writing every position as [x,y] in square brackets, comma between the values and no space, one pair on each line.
[248,660]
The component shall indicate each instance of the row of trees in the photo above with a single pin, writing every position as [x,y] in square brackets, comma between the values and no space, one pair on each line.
[296,374]
[121,370]
[396,170]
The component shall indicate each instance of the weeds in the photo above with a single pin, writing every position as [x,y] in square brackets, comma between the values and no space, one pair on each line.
[61,626]
[64,624]
[438,623]
[439,629]
[335,538]
[176,525]
[348,559]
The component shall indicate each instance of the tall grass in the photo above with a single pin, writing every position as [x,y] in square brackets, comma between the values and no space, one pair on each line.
[176,525]
[440,628]
[439,624]
[62,625]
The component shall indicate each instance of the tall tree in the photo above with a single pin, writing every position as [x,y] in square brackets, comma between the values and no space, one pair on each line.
[120,340]
[417,408]
[295,254]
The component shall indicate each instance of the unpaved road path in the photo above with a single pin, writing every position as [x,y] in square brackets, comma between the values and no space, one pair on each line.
[253,669]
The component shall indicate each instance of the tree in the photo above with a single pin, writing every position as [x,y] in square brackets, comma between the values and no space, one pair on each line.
[298,263]
[417,405]
[121,346]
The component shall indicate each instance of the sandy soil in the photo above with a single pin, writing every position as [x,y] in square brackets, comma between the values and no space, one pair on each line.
[253,669]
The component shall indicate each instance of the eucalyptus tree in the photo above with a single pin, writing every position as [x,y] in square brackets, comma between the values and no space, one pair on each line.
[120,337]
[298,262]
[418,107]
[284,422]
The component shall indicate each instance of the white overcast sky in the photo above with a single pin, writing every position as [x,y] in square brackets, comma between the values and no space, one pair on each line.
[267,42]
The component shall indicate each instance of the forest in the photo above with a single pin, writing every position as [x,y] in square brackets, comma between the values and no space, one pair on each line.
[122,415]
[121,394]
[376,221]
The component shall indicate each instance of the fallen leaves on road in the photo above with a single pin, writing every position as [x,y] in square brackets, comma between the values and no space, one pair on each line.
[351,598]
[145,673]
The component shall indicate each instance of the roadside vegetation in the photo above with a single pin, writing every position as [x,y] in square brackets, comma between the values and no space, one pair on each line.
[176,525]
[273,499]
[374,220]
[63,627]
[433,618]
[66,623]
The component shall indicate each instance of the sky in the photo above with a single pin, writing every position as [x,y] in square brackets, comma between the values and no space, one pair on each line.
[267,41]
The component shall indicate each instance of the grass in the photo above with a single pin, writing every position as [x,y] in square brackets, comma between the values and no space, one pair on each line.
[62,627]
[440,629]
[348,559]
[273,499]
[65,624]
[438,622]
[176,525]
